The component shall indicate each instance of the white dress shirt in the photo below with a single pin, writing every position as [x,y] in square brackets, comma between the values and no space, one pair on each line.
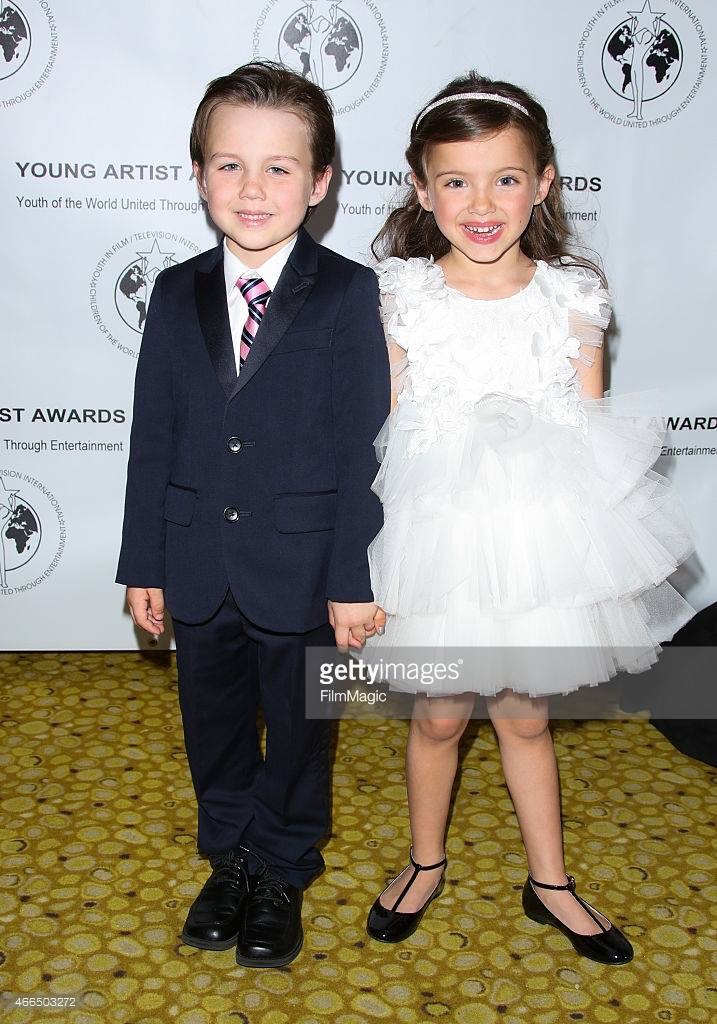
[233,270]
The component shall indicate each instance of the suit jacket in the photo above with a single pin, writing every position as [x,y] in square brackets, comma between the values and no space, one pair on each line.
[261,482]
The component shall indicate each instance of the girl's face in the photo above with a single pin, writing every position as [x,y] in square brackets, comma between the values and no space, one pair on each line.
[482,193]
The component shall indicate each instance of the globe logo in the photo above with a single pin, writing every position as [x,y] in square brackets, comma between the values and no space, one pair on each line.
[322,42]
[642,58]
[134,285]
[15,39]
[20,531]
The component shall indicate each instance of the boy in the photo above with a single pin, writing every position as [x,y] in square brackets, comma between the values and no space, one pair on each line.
[261,383]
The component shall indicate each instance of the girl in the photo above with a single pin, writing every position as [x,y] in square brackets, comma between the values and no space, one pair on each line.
[520,509]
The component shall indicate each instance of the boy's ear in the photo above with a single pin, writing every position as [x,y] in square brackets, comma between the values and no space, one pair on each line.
[321,186]
[546,180]
[199,175]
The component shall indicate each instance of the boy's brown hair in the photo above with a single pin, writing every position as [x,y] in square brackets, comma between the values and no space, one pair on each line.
[268,84]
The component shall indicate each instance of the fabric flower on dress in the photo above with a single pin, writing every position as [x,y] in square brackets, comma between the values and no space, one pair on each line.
[581,291]
[502,417]
[405,286]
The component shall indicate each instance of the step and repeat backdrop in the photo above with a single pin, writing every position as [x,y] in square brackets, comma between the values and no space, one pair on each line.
[98,196]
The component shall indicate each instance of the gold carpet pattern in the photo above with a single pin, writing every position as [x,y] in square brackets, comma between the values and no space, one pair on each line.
[98,866]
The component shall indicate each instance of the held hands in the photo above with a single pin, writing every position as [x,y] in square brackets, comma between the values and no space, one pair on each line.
[146,606]
[352,623]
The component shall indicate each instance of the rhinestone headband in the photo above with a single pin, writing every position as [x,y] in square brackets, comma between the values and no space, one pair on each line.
[496,97]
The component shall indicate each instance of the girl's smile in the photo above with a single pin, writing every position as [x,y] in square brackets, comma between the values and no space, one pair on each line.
[483,234]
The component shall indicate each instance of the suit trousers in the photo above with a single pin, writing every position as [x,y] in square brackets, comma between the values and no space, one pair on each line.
[277,805]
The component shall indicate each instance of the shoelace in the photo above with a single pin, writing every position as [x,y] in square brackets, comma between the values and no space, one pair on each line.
[230,867]
[268,888]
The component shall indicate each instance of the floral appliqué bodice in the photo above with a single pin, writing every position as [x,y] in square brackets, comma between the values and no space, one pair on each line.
[518,356]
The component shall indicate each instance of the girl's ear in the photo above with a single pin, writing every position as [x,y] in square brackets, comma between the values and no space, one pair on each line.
[544,183]
[422,193]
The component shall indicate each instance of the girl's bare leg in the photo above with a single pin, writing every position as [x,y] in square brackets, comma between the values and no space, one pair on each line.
[531,774]
[431,761]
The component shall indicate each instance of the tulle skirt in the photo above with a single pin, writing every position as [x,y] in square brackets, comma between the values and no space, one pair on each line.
[517,532]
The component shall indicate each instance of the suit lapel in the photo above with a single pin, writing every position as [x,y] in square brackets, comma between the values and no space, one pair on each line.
[211,299]
[292,290]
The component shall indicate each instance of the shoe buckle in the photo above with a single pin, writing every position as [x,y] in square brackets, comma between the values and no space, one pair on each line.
[571,883]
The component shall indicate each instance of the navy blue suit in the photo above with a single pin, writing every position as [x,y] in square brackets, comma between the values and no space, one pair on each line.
[248,502]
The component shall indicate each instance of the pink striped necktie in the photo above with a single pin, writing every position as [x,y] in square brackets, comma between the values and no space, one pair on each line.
[256,294]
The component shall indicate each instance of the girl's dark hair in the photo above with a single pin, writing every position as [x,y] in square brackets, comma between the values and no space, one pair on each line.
[268,84]
[412,231]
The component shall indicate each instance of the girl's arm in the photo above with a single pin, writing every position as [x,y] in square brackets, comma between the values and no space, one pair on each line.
[591,379]
[397,361]
[589,361]
[589,310]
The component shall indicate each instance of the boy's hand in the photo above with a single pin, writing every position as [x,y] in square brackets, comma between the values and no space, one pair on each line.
[146,606]
[352,623]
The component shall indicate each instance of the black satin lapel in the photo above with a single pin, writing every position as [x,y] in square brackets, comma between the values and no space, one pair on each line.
[211,298]
[291,292]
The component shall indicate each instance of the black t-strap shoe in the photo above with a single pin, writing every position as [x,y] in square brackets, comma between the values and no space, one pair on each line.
[609,946]
[393,925]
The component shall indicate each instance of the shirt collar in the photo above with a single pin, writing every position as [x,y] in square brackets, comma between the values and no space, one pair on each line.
[268,272]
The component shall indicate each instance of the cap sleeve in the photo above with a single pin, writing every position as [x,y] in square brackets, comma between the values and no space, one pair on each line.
[405,287]
[589,308]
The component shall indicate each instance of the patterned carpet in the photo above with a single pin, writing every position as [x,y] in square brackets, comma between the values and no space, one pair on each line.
[98,864]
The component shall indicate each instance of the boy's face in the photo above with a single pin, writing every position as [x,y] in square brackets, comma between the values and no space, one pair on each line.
[257,178]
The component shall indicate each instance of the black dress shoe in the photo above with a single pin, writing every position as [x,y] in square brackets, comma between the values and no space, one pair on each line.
[394,925]
[609,946]
[271,934]
[214,917]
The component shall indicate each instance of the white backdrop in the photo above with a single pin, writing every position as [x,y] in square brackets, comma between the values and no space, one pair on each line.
[97,197]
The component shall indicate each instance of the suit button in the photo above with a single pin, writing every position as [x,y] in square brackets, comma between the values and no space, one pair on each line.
[231,514]
[234,445]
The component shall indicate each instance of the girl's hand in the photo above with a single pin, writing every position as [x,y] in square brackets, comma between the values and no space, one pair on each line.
[379,620]
[146,606]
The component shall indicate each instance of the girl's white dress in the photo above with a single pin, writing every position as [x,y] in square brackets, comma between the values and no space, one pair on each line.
[517,513]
